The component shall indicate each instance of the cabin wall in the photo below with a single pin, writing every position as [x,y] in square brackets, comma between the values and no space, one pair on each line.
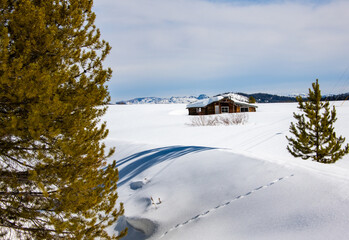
[194,111]
[210,109]
[231,108]
[251,109]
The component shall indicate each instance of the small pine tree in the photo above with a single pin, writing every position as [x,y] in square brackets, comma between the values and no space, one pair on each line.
[54,182]
[314,135]
[251,99]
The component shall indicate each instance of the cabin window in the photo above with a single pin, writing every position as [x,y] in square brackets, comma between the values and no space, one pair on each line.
[198,110]
[225,109]
[244,109]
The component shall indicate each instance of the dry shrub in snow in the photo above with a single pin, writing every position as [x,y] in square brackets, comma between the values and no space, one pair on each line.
[216,120]
[204,121]
[233,119]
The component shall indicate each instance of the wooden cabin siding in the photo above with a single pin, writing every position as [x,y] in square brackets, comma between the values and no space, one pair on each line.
[204,111]
[225,102]
[192,111]
[251,109]
[210,109]
[231,108]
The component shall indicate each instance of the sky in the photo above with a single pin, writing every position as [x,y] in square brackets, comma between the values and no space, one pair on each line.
[163,48]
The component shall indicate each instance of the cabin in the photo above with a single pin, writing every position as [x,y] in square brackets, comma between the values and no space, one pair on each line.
[218,105]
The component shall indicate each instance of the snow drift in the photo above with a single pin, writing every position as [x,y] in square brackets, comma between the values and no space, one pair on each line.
[224,182]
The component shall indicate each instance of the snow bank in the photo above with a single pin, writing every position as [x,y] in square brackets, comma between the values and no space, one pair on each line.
[224,182]
[138,228]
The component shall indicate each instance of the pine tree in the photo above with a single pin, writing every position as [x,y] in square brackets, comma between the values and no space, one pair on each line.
[314,135]
[251,99]
[54,181]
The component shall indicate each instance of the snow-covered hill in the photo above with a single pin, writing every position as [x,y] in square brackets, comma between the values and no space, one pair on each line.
[179,100]
[234,96]
[224,182]
[157,100]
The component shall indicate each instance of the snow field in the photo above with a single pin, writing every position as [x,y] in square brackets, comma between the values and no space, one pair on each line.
[224,182]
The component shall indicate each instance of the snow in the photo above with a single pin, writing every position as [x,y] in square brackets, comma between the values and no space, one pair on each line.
[223,182]
[235,97]
[244,103]
[157,100]
[205,102]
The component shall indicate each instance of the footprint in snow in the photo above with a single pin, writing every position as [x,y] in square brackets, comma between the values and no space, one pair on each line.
[138,184]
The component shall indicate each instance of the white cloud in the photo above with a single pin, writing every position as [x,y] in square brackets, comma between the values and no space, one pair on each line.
[192,39]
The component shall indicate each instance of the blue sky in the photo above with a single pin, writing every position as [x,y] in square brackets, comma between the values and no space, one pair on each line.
[187,47]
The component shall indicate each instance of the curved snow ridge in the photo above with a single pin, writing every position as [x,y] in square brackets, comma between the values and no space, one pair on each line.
[224,204]
[138,228]
[144,225]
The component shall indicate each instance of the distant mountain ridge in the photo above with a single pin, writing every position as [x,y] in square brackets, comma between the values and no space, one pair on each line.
[260,98]
[157,100]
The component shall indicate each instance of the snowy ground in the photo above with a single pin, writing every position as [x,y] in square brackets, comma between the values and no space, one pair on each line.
[224,182]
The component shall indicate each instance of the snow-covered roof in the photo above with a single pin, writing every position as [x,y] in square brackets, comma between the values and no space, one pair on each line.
[207,101]
[244,103]
[204,102]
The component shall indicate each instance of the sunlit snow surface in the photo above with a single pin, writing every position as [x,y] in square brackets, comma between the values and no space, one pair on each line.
[224,182]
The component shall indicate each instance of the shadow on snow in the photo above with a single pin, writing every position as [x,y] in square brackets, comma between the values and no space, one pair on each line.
[139,162]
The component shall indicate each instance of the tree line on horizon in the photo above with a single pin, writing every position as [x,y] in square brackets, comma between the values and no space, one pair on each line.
[272,98]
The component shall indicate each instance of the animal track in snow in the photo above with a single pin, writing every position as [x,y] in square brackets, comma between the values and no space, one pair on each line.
[224,204]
